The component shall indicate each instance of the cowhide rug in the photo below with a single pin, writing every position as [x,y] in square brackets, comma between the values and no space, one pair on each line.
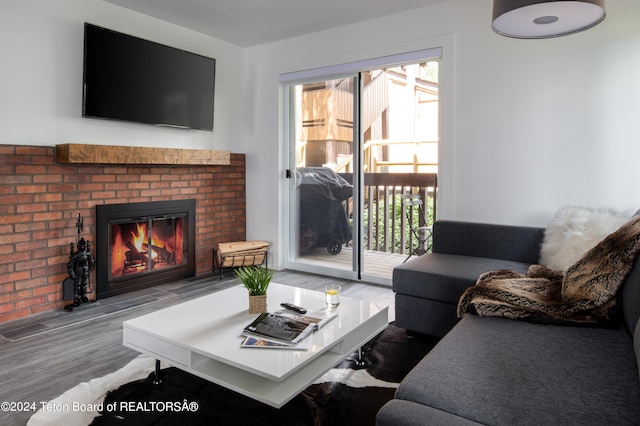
[585,294]
[346,395]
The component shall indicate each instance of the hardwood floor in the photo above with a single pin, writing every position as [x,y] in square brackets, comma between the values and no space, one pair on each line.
[47,354]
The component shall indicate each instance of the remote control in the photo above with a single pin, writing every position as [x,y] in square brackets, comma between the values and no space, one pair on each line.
[294,308]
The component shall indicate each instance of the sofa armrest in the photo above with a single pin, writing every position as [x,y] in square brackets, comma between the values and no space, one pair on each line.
[507,242]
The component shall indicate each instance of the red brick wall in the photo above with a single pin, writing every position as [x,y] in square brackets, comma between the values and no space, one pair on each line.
[40,201]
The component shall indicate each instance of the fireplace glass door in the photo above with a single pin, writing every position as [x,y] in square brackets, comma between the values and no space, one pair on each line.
[140,245]
[145,245]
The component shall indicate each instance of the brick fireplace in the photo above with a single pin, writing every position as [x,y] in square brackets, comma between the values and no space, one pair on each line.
[40,201]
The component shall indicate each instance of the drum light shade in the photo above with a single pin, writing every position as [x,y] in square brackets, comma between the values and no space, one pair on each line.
[545,19]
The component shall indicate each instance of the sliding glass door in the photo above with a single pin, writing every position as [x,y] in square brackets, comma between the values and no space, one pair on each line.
[323,131]
[399,163]
[362,169]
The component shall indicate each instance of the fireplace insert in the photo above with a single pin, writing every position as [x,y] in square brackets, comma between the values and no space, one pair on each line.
[140,245]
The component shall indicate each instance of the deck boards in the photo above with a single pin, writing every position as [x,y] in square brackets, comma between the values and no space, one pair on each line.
[376,263]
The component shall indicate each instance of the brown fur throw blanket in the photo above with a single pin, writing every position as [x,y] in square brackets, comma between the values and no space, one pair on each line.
[585,294]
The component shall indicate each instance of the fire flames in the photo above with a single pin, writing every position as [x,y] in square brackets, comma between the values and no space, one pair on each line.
[139,237]
[133,250]
[140,240]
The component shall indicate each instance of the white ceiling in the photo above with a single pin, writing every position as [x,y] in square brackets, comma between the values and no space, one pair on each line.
[252,22]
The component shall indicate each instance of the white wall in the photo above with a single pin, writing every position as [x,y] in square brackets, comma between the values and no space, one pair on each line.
[528,125]
[41,44]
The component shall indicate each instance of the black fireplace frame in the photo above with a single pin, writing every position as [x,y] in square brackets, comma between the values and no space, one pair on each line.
[106,213]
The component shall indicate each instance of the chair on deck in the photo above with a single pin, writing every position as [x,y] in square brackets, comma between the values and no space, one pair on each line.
[422,233]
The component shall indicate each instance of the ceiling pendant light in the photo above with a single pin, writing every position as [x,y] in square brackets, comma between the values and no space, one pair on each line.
[545,19]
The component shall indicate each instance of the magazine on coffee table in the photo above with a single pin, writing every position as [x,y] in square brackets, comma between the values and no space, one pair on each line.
[263,343]
[285,327]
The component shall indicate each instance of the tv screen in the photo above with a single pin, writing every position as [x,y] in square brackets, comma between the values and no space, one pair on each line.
[131,79]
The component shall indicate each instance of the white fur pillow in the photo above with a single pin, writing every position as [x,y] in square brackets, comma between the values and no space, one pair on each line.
[575,230]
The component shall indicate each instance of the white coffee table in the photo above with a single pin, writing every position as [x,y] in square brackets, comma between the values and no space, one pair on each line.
[202,336]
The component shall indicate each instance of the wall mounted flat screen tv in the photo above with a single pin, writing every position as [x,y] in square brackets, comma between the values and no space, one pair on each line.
[131,79]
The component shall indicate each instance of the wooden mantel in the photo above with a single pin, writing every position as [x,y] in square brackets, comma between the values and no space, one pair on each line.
[108,154]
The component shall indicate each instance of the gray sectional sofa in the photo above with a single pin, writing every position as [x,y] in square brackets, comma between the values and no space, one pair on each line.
[428,287]
[498,371]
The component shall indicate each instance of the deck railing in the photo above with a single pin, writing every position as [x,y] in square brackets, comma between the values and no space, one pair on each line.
[388,221]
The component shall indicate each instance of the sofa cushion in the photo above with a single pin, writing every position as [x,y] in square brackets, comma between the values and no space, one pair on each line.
[398,412]
[515,243]
[630,300]
[425,316]
[444,277]
[636,345]
[503,372]
[630,297]
[574,230]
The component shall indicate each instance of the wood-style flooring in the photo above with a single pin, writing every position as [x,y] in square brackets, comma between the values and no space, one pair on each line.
[44,355]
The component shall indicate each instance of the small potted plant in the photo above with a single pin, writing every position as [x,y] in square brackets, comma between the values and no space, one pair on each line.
[256,279]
